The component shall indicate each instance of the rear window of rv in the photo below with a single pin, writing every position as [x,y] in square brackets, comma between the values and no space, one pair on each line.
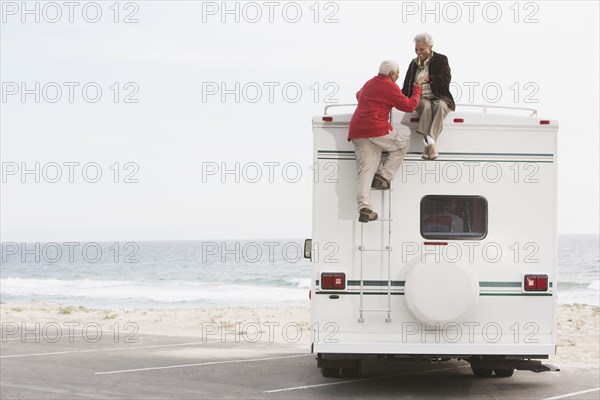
[453,217]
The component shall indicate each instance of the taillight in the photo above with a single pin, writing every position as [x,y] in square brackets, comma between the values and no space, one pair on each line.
[544,122]
[459,120]
[327,119]
[333,281]
[414,119]
[535,283]
[542,282]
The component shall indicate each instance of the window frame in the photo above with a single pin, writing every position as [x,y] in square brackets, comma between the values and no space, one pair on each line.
[456,235]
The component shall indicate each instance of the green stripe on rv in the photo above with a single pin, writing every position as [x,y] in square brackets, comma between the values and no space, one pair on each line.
[402,283]
[350,155]
[402,294]
[452,153]
[441,154]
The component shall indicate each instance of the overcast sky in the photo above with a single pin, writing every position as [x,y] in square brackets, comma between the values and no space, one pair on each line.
[160,118]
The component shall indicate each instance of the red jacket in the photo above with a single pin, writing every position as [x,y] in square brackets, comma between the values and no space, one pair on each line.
[375,101]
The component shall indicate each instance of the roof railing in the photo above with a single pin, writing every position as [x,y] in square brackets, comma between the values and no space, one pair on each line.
[484,107]
[338,105]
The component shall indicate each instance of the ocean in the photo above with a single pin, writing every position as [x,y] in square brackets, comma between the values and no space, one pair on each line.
[185,274]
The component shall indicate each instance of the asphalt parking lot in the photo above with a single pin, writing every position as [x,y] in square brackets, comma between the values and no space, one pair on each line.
[165,367]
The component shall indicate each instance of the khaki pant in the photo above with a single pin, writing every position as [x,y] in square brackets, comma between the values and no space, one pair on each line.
[368,157]
[431,117]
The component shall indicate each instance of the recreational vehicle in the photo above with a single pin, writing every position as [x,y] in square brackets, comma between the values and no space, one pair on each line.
[460,264]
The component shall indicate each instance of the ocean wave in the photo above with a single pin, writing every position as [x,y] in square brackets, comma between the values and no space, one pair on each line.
[303,283]
[160,292]
[564,286]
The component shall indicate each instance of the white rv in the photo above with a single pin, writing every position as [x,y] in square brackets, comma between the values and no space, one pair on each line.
[462,260]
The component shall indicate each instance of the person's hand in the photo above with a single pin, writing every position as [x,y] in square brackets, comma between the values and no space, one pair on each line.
[422,80]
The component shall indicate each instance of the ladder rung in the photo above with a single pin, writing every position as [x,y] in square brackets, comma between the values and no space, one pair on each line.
[375,250]
[375,309]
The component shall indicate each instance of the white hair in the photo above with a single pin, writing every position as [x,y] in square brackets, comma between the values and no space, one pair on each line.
[388,66]
[425,38]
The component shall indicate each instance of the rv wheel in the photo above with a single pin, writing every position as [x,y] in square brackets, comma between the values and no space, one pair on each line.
[504,372]
[482,372]
[330,372]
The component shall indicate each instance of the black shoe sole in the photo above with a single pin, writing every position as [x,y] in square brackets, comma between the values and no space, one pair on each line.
[378,185]
[365,218]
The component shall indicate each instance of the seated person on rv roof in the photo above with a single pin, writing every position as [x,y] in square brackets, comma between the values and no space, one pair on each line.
[432,71]
[371,132]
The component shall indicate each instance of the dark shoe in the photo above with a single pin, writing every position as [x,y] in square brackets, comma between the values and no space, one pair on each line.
[367,215]
[380,183]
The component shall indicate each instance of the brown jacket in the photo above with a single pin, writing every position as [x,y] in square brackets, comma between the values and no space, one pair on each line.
[439,79]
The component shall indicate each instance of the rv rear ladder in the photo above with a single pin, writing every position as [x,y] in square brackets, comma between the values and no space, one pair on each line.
[386,248]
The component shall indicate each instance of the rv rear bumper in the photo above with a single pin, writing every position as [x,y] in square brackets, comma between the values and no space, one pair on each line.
[491,362]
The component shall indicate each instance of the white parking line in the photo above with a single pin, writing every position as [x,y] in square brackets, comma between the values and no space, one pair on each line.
[97,350]
[362,379]
[200,364]
[563,396]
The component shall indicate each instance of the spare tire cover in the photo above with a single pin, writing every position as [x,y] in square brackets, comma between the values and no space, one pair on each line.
[441,292]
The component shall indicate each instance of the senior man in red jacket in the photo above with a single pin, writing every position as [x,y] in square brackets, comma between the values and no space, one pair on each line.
[371,132]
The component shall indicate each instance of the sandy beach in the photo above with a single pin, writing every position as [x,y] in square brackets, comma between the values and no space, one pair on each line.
[578,325]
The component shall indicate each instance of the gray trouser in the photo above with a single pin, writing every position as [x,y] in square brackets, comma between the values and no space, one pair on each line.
[368,157]
[431,117]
